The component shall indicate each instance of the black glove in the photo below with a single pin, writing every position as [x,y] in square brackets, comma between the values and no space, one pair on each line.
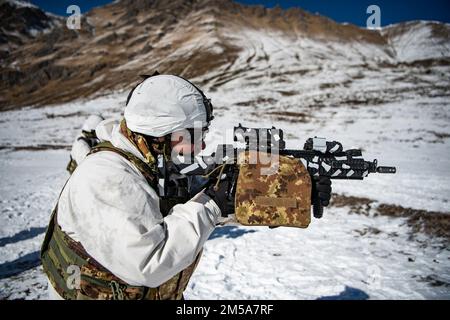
[320,194]
[224,201]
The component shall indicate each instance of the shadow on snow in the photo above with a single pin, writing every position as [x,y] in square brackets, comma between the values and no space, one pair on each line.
[12,268]
[22,235]
[348,294]
[230,232]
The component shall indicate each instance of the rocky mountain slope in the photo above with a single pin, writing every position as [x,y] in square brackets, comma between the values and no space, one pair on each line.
[43,62]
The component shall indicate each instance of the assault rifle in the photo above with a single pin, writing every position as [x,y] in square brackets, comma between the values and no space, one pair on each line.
[320,157]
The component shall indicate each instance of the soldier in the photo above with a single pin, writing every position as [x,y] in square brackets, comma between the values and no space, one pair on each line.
[110,235]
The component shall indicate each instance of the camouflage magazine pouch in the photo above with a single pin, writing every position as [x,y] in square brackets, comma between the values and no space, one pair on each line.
[273,194]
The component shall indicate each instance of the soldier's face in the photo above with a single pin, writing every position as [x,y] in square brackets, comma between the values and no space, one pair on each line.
[188,141]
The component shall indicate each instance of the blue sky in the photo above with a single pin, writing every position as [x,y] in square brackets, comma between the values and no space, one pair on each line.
[353,11]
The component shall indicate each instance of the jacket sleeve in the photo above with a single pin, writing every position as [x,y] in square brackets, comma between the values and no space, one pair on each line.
[116,217]
[80,149]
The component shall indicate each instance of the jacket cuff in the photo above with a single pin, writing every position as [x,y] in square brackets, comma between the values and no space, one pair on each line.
[209,203]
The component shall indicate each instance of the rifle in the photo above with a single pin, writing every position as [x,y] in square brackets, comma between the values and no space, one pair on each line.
[320,157]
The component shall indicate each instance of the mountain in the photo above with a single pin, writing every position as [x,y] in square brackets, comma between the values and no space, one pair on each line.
[419,40]
[22,22]
[210,41]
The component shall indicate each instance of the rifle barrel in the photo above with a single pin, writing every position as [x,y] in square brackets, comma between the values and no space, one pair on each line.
[386,169]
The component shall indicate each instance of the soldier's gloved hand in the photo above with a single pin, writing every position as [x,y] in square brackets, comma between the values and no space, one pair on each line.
[321,190]
[320,195]
[220,197]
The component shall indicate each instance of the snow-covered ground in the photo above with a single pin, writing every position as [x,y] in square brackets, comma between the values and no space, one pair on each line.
[397,114]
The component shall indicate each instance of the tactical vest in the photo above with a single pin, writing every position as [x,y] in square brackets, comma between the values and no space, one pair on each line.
[64,258]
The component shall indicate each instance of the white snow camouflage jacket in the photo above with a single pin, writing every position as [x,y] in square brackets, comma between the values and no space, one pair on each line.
[110,208]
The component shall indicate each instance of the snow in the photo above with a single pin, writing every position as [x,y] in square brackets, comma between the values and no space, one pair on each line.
[398,115]
[22,4]
[418,42]
[286,263]
[53,21]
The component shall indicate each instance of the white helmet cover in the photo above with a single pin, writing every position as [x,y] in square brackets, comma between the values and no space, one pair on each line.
[164,104]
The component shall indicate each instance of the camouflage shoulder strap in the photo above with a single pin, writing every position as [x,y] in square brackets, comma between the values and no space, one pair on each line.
[72,165]
[149,171]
